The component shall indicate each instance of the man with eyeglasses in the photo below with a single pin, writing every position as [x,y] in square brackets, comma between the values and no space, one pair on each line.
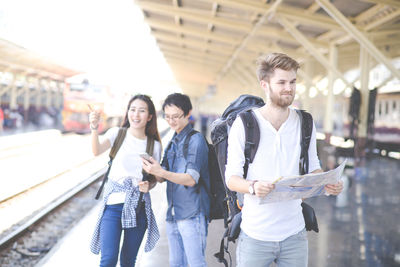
[188,202]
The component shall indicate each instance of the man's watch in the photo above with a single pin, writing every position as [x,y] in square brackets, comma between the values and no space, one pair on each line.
[251,188]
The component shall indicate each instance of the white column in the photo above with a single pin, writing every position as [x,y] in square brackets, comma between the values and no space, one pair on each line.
[49,92]
[27,93]
[308,68]
[13,93]
[59,95]
[38,102]
[328,121]
[364,90]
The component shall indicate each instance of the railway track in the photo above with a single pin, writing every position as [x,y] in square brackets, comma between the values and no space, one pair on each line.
[28,241]
[5,240]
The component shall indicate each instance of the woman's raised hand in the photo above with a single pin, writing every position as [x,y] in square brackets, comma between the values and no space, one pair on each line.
[94,118]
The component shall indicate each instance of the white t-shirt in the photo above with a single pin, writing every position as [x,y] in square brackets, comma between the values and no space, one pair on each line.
[278,155]
[127,162]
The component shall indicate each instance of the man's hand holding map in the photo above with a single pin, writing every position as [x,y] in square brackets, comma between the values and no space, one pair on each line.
[303,186]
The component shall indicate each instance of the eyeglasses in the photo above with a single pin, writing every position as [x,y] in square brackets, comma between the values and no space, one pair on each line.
[173,117]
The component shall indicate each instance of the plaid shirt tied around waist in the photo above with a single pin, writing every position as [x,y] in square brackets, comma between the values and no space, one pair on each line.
[128,218]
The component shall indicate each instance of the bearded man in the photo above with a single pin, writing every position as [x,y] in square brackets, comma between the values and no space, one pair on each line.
[273,232]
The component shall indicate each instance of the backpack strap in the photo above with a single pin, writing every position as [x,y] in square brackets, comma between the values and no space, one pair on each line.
[186,143]
[252,140]
[146,176]
[252,134]
[117,144]
[150,146]
[185,153]
[149,150]
[305,138]
[164,161]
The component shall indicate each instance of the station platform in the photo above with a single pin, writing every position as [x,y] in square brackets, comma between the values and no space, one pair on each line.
[357,228]
[73,249]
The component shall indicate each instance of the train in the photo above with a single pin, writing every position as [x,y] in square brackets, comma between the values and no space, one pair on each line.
[384,118]
[386,132]
[80,98]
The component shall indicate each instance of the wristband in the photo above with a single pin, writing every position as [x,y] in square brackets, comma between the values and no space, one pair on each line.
[94,128]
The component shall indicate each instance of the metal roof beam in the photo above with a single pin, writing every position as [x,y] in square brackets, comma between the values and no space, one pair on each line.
[358,36]
[367,14]
[384,33]
[12,67]
[193,14]
[205,18]
[169,38]
[364,20]
[384,43]
[177,19]
[244,72]
[394,3]
[394,14]
[182,66]
[191,31]
[194,55]
[297,14]
[229,41]
[199,45]
[214,10]
[311,49]
[189,61]
[193,51]
[244,42]
[239,77]
[195,48]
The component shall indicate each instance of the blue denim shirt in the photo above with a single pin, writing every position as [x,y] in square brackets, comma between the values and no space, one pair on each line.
[184,201]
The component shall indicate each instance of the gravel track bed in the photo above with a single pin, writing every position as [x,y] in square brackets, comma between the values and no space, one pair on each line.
[37,241]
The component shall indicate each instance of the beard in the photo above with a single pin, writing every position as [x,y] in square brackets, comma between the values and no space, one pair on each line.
[280,100]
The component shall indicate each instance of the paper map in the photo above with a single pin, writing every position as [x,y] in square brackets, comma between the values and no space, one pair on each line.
[303,186]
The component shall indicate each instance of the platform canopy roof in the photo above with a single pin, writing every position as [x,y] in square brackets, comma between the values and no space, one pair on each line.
[212,45]
[17,59]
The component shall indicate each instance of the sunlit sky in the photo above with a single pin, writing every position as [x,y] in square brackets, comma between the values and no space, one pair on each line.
[107,39]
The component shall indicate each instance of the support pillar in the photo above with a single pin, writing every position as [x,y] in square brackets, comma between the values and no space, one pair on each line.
[27,98]
[38,102]
[328,121]
[49,93]
[59,95]
[13,93]
[308,68]
[361,140]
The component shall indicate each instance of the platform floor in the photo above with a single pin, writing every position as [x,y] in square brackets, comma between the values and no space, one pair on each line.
[358,228]
[76,243]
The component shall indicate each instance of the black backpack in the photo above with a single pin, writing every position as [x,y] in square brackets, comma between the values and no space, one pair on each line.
[242,107]
[216,189]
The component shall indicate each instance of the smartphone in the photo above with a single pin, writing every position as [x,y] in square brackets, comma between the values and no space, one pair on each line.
[145,156]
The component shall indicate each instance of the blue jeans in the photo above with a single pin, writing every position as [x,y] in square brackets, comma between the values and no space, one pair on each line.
[110,236]
[291,252]
[187,242]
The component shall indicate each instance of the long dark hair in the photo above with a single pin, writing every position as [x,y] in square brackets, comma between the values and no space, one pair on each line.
[151,126]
